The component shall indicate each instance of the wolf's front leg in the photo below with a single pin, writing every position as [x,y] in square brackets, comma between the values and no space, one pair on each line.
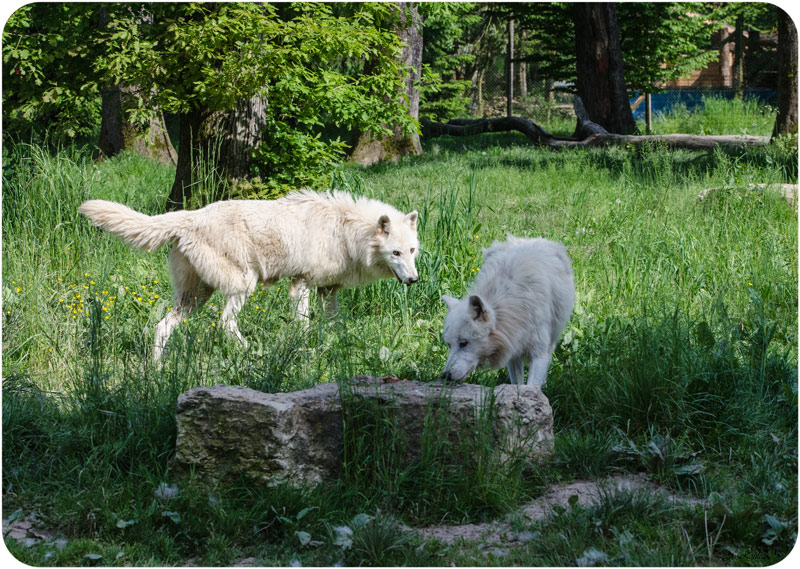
[516,371]
[298,293]
[164,329]
[190,295]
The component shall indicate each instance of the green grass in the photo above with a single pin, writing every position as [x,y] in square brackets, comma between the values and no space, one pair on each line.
[680,361]
[719,116]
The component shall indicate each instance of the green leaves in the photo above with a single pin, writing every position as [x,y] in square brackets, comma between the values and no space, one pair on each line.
[775,530]
[48,80]
[175,517]
[664,41]
[319,65]
[203,57]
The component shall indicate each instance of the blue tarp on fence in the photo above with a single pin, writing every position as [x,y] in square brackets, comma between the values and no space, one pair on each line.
[664,102]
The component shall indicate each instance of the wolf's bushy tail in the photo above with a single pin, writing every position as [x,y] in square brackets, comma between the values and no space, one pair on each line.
[136,229]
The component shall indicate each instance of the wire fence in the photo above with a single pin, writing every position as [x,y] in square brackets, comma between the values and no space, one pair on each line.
[537,98]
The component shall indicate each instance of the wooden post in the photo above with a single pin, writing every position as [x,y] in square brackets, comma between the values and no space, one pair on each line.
[480,91]
[648,113]
[523,68]
[510,70]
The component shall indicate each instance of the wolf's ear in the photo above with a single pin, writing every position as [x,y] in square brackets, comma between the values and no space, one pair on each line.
[384,223]
[411,220]
[449,301]
[480,310]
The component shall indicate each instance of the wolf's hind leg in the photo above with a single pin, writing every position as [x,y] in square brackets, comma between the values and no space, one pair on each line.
[164,329]
[174,317]
[189,294]
[537,374]
[516,370]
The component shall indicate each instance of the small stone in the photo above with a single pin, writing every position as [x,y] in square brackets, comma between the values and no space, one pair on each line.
[525,536]
[166,491]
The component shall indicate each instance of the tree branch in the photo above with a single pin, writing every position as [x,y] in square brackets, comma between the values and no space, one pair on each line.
[471,127]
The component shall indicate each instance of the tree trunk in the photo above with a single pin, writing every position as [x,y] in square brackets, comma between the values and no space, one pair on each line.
[118,134]
[510,69]
[786,122]
[370,150]
[738,61]
[751,66]
[216,147]
[410,33]
[722,38]
[189,147]
[237,133]
[600,77]
[111,142]
[522,67]
[481,78]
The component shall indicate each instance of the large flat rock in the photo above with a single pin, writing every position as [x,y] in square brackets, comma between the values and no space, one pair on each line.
[299,436]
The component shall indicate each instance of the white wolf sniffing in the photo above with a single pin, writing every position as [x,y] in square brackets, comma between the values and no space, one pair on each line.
[328,241]
[516,311]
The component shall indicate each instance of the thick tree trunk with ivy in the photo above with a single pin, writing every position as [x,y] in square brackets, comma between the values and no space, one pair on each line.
[216,148]
[369,149]
[238,132]
[118,134]
[786,121]
[600,77]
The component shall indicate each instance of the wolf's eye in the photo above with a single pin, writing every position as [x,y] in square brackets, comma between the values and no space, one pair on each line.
[396,253]
[412,250]
[463,344]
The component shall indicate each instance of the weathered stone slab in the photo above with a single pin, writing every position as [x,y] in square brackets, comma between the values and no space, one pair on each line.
[298,436]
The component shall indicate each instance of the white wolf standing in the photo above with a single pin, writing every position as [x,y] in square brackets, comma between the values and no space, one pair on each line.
[516,311]
[328,241]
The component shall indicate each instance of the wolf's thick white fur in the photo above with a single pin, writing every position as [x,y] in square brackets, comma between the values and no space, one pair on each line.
[328,241]
[515,312]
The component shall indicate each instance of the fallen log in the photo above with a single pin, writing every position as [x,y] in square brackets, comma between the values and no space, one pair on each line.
[587,133]
[471,127]
[673,141]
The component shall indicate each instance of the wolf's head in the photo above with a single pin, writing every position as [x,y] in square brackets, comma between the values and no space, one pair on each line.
[397,246]
[467,330]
